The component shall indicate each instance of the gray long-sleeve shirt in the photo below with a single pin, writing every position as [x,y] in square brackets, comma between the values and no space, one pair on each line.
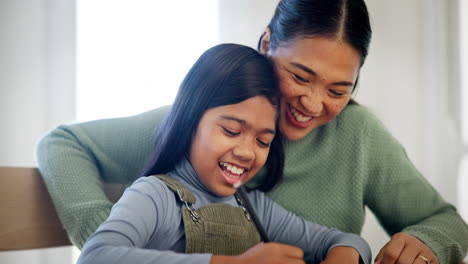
[146,226]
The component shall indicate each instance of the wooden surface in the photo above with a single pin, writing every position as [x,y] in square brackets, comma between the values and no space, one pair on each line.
[27,217]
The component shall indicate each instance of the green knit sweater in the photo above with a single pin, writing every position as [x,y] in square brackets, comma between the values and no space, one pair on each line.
[330,176]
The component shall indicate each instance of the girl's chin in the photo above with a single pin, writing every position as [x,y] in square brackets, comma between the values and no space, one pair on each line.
[225,192]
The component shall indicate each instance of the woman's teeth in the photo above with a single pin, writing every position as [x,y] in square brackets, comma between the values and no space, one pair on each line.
[232,168]
[298,116]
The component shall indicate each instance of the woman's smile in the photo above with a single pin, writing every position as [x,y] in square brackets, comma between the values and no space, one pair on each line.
[297,118]
[316,79]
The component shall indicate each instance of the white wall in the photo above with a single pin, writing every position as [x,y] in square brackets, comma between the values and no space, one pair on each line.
[409,81]
[37,73]
[243,21]
[36,88]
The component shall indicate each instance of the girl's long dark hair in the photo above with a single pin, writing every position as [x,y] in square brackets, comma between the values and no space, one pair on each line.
[223,75]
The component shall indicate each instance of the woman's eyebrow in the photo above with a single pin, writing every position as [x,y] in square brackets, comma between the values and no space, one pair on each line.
[243,122]
[343,83]
[304,68]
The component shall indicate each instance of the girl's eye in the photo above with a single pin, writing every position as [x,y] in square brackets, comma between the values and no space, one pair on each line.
[300,79]
[263,143]
[335,93]
[230,133]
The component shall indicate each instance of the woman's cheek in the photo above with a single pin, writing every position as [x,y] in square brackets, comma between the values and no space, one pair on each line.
[287,88]
[339,105]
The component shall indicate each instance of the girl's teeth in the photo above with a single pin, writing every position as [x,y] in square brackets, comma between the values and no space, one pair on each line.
[231,168]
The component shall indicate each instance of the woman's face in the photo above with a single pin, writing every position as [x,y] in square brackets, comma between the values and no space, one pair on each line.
[316,76]
[232,143]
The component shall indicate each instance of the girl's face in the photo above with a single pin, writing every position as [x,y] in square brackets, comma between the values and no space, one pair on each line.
[232,143]
[316,76]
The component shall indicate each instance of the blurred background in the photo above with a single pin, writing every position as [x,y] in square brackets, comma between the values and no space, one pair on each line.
[64,61]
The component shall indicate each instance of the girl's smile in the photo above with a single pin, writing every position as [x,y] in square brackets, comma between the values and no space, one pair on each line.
[232,143]
[232,172]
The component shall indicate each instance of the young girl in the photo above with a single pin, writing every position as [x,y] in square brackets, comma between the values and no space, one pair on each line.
[219,132]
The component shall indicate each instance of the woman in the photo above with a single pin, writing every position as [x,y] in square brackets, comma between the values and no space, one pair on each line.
[339,157]
[221,129]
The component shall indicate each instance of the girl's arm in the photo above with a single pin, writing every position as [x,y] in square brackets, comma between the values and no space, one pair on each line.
[144,227]
[146,216]
[264,253]
[315,240]
[74,159]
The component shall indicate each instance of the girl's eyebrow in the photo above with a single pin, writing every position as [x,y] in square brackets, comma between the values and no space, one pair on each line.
[243,122]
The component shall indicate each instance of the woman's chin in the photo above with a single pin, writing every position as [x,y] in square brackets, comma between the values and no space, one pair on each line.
[292,132]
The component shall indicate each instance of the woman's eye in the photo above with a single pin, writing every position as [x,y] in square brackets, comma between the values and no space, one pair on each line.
[300,79]
[229,132]
[263,143]
[335,93]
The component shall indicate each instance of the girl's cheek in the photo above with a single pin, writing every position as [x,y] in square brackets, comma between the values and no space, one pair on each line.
[263,159]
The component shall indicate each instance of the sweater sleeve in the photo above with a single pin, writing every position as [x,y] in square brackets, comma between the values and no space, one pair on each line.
[146,213]
[315,240]
[404,201]
[75,159]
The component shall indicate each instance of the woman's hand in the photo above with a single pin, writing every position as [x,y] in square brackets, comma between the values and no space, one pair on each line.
[342,255]
[265,253]
[405,249]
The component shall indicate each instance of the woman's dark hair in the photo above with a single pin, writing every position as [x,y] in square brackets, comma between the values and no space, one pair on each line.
[342,19]
[223,75]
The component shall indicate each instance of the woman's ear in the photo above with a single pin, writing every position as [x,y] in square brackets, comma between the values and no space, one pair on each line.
[265,42]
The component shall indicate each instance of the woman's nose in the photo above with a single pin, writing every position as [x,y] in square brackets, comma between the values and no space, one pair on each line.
[312,103]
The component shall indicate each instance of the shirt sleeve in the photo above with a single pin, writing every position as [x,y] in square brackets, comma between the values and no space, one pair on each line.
[146,212]
[315,240]
[404,201]
[75,159]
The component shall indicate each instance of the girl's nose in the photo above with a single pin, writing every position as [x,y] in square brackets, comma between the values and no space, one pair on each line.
[244,151]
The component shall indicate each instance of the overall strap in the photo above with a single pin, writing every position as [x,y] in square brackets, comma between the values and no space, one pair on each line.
[177,187]
[215,228]
[243,200]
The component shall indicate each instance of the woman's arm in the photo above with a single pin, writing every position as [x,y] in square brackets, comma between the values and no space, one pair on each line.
[404,201]
[75,159]
[315,240]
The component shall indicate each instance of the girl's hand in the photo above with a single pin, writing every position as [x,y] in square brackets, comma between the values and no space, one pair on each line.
[265,253]
[342,255]
[405,249]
